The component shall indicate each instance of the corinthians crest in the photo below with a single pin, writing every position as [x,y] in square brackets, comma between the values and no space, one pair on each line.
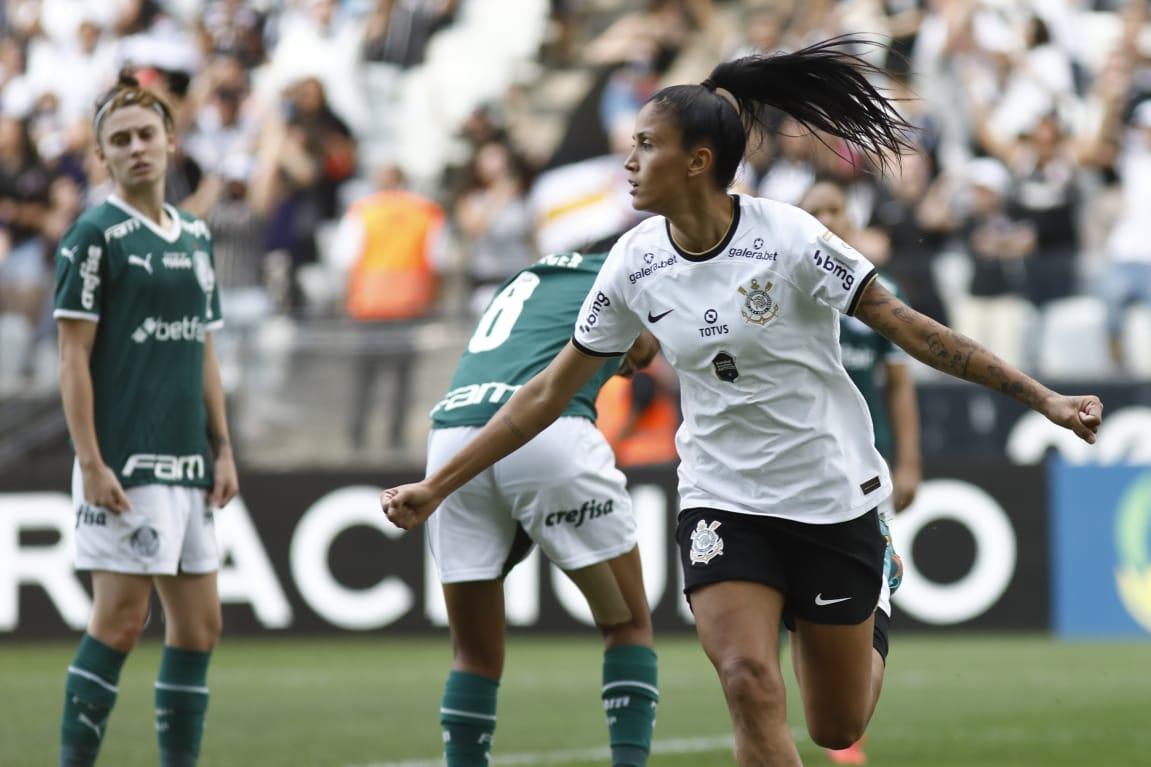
[706,544]
[759,308]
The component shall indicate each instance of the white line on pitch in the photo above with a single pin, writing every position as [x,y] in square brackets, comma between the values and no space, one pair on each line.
[571,756]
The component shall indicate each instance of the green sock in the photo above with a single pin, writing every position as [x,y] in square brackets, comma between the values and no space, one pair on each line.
[181,702]
[89,695]
[468,716]
[630,695]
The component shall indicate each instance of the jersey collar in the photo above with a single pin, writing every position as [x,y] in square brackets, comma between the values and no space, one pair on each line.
[173,232]
[712,253]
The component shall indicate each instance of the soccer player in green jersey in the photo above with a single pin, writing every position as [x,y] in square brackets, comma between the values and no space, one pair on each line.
[867,356]
[136,303]
[562,492]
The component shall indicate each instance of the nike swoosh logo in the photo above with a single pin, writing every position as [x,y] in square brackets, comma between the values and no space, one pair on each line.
[819,600]
[657,317]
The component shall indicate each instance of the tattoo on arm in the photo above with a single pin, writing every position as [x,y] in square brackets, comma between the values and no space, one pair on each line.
[942,348]
[516,430]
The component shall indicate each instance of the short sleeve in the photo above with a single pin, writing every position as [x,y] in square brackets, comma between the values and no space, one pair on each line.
[833,272]
[81,271]
[606,327]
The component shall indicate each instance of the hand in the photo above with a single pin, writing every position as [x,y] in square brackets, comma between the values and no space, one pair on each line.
[1081,414]
[226,483]
[102,488]
[905,481]
[408,506]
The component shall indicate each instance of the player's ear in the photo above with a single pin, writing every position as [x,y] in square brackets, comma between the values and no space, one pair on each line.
[699,160]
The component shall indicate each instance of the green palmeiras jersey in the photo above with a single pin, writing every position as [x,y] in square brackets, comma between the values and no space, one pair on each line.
[526,325]
[864,352]
[153,293]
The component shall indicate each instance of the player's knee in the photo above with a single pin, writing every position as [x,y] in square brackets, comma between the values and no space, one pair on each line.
[836,734]
[751,683]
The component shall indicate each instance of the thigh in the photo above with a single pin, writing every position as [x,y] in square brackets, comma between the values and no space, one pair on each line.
[564,490]
[119,600]
[478,626]
[833,666]
[738,623]
[472,535]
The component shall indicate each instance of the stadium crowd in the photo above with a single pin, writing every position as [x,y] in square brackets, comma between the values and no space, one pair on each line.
[437,146]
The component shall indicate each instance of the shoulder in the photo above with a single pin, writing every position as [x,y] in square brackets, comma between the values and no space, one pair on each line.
[92,224]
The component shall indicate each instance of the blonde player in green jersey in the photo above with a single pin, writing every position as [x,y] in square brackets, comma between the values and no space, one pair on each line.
[136,303]
[562,492]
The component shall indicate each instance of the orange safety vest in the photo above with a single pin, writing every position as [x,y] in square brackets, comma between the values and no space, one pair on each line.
[652,440]
[393,278]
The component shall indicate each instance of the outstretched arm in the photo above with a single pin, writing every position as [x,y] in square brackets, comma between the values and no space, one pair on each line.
[532,409]
[943,349]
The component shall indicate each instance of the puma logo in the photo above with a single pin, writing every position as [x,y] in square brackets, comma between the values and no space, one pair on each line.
[145,263]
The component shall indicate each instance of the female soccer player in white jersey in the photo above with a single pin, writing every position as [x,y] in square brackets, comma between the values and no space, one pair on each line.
[136,303]
[779,477]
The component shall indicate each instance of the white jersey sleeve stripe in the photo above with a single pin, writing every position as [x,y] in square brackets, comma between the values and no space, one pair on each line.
[71,314]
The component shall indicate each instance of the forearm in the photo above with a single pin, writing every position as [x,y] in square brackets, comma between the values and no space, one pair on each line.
[530,410]
[215,403]
[904,411]
[79,408]
[942,348]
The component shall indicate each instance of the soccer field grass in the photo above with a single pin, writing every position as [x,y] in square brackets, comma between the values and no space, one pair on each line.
[971,701]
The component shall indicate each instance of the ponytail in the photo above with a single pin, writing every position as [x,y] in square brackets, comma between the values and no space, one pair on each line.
[824,86]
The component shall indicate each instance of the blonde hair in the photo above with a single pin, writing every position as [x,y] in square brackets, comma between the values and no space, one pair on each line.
[127,92]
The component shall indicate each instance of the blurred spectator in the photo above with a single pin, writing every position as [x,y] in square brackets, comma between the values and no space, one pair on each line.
[398,31]
[494,222]
[392,247]
[1043,164]
[234,28]
[994,312]
[24,203]
[1126,278]
[238,241]
[305,153]
[792,169]
[322,43]
[897,212]
[74,70]
[762,32]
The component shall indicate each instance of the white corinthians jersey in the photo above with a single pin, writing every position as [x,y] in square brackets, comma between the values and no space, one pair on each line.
[772,423]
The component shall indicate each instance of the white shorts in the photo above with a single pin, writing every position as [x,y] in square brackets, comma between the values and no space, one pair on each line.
[562,491]
[169,530]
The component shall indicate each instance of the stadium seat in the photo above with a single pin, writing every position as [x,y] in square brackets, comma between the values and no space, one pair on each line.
[1072,340]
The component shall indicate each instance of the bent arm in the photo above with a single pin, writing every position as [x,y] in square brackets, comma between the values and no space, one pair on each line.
[532,409]
[943,349]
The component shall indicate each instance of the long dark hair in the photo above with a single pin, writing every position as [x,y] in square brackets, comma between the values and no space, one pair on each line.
[824,86]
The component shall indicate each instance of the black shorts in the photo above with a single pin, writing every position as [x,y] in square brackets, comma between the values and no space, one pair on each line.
[827,573]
